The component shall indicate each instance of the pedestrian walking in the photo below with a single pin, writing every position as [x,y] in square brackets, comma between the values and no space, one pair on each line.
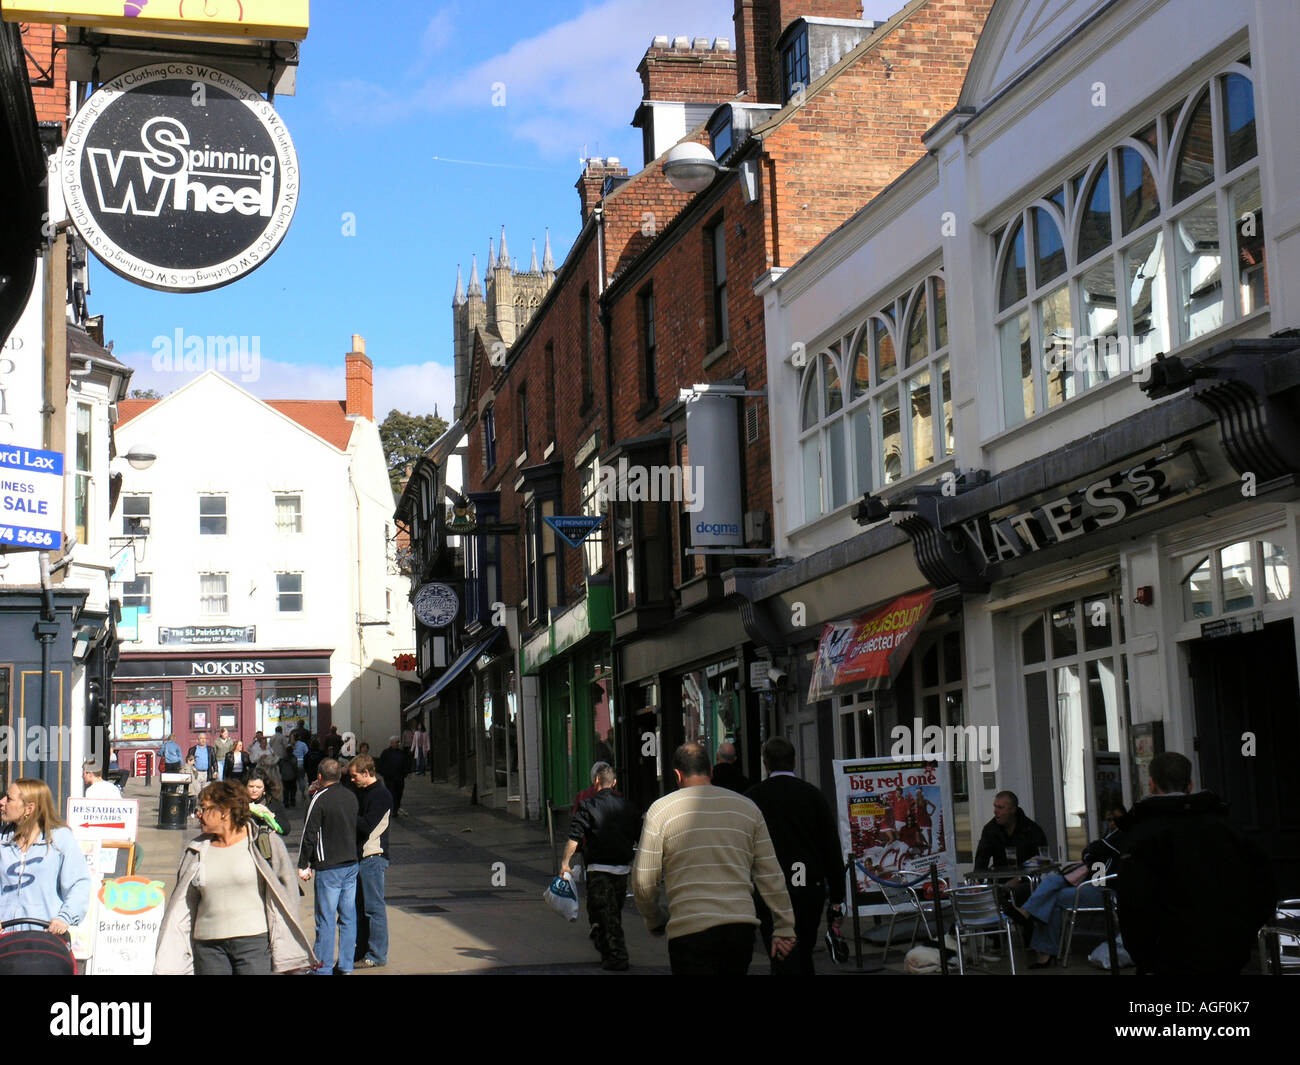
[711,848]
[329,852]
[394,764]
[264,802]
[605,827]
[43,872]
[238,762]
[374,814]
[807,845]
[1193,892]
[96,786]
[289,777]
[279,742]
[258,747]
[224,744]
[171,756]
[204,759]
[727,773]
[420,746]
[235,908]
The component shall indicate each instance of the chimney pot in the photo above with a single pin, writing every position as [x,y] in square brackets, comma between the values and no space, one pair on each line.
[358,344]
[682,43]
[700,44]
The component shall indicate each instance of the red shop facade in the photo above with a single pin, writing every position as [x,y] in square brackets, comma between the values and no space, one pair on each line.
[191,694]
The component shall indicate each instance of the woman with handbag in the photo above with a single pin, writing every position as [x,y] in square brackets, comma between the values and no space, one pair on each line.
[235,906]
[1058,891]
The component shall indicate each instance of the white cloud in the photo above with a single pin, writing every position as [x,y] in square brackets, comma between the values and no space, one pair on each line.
[415,388]
[437,34]
[579,76]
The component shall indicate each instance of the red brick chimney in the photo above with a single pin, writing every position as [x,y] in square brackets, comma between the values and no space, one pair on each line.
[591,185]
[361,381]
[692,71]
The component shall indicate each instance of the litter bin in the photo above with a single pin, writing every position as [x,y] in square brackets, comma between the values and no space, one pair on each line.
[174,800]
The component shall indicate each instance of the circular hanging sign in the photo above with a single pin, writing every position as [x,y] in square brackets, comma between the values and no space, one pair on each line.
[180,177]
[436,605]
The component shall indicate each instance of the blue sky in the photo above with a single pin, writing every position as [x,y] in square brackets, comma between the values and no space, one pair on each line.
[378,97]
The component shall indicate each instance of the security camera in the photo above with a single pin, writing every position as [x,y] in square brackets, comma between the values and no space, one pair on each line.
[779,677]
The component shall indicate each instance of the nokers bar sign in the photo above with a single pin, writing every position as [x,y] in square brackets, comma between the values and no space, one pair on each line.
[180,177]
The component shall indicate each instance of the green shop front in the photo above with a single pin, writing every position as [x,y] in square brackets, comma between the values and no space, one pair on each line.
[571,660]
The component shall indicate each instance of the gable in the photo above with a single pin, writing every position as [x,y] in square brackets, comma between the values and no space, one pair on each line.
[1019,34]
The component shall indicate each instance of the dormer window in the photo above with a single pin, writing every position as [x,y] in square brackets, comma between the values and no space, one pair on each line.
[794,65]
[720,134]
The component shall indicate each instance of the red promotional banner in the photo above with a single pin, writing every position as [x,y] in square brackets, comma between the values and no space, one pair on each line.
[866,652]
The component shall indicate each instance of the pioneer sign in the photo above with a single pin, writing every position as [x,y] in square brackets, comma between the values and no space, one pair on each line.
[180,177]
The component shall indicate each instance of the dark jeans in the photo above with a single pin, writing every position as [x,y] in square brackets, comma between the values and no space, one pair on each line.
[605,895]
[723,950]
[241,956]
[395,786]
[290,791]
[808,904]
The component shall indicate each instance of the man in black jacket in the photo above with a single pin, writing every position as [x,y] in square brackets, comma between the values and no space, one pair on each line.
[607,827]
[393,767]
[329,848]
[1193,892]
[374,812]
[807,846]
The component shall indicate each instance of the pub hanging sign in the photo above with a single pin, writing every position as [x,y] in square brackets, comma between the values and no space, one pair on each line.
[180,177]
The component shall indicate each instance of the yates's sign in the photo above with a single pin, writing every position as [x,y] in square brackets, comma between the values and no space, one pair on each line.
[180,177]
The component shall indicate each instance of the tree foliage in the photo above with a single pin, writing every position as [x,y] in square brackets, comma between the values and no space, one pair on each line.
[144,393]
[406,437]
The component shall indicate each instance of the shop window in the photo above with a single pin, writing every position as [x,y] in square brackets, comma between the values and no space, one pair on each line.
[139,593]
[288,513]
[212,516]
[288,703]
[142,712]
[1244,575]
[857,726]
[288,593]
[136,520]
[876,404]
[213,599]
[1113,266]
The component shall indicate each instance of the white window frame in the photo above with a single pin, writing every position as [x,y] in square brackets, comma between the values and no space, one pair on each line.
[281,594]
[211,601]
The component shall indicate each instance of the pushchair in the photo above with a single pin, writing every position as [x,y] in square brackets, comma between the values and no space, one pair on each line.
[33,950]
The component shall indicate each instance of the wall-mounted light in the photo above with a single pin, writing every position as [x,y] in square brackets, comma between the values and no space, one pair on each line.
[140,458]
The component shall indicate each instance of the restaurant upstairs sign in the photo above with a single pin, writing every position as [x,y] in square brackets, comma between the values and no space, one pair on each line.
[180,177]
[267,20]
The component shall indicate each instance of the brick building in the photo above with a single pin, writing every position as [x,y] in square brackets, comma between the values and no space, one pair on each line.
[811,114]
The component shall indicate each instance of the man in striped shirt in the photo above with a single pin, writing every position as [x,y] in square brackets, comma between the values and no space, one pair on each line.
[711,848]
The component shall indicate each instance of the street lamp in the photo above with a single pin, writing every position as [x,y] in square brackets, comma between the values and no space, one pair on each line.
[691,168]
[140,458]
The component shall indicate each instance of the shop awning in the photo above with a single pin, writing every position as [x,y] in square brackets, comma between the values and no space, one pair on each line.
[866,652]
[453,671]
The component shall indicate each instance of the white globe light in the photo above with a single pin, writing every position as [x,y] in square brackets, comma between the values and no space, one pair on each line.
[690,167]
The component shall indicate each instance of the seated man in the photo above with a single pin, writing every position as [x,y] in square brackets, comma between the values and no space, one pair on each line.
[1011,838]
[1057,892]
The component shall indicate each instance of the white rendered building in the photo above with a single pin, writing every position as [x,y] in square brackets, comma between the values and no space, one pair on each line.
[264,591]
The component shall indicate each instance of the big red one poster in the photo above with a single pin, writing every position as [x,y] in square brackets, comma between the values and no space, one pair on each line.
[895,818]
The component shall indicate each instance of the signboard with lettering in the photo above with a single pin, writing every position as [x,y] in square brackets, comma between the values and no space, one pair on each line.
[126,929]
[104,819]
[436,605]
[22,368]
[221,667]
[271,20]
[573,529]
[209,634]
[31,498]
[1069,514]
[865,653]
[179,176]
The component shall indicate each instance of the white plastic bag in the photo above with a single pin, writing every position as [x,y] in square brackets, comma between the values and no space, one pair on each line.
[922,961]
[561,897]
[1100,955]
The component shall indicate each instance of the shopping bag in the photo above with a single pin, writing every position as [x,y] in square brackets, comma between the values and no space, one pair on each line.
[1100,955]
[561,897]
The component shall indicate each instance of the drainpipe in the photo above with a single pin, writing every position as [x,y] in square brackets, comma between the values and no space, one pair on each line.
[46,630]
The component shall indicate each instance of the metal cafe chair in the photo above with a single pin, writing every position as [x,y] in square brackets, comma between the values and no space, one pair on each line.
[903,901]
[1284,928]
[977,912]
[1067,934]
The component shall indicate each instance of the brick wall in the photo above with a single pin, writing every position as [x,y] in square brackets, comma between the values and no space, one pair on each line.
[43,60]
[847,141]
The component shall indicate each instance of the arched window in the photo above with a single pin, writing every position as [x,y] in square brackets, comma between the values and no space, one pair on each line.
[1126,259]
[876,405]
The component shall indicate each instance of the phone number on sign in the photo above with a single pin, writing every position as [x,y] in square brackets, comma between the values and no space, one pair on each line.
[10,534]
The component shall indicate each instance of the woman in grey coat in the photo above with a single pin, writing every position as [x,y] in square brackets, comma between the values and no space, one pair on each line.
[235,906]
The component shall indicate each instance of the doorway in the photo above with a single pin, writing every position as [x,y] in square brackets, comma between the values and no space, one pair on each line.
[1246,686]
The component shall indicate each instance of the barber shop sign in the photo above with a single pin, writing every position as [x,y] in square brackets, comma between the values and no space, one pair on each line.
[180,177]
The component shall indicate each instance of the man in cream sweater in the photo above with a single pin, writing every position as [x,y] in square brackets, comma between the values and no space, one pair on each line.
[711,848]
